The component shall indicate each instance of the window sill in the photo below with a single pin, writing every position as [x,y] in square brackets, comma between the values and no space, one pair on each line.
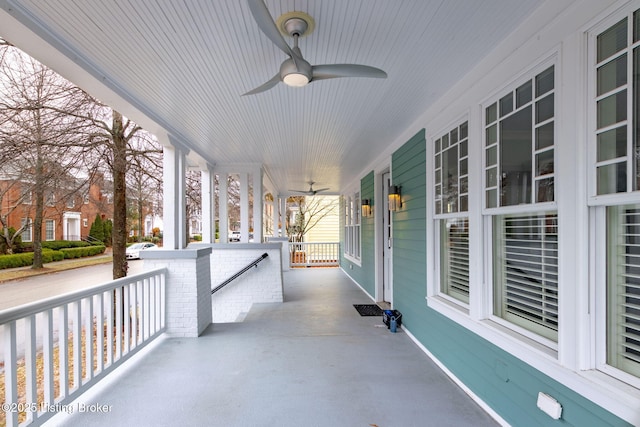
[352,259]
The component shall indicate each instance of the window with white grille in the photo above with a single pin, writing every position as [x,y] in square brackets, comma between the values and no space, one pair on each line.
[27,231]
[50,228]
[615,191]
[451,185]
[519,144]
[519,201]
[352,226]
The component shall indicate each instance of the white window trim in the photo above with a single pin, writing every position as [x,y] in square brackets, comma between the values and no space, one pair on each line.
[350,206]
[437,299]
[574,363]
[29,229]
[595,364]
[47,221]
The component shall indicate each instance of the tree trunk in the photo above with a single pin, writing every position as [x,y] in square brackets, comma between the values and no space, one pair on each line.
[139,218]
[39,199]
[119,234]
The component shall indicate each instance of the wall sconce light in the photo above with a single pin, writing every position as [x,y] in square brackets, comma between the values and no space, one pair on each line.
[395,202]
[366,208]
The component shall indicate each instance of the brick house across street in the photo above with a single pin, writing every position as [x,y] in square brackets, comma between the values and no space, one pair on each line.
[70,206]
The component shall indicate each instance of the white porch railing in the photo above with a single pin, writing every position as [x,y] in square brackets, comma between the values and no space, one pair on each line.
[55,349]
[314,254]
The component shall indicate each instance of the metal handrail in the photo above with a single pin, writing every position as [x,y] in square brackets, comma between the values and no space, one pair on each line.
[239,273]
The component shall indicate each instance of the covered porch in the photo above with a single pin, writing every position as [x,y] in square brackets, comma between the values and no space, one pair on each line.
[312,360]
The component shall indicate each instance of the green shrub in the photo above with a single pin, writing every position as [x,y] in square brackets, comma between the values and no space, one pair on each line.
[107,226]
[97,229]
[49,255]
[16,260]
[82,252]
[60,244]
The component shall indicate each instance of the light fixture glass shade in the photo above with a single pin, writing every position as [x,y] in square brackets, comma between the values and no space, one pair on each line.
[394,198]
[366,208]
[295,79]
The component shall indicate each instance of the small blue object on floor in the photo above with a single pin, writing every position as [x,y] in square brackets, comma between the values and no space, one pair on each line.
[388,314]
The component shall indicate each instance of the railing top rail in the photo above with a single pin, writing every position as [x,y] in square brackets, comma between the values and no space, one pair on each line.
[24,310]
[315,243]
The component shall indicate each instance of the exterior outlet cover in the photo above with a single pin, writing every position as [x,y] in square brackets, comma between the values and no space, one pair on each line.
[549,405]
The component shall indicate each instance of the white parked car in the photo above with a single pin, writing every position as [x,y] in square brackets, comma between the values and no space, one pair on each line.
[133,251]
[234,236]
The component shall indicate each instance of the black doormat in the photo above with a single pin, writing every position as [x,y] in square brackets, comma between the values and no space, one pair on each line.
[368,309]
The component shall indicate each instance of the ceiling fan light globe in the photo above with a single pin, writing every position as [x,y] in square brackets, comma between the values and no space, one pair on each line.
[295,80]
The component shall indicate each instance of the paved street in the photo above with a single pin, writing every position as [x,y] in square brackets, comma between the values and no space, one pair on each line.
[23,291]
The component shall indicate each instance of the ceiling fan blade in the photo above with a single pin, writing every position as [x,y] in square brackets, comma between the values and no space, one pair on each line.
[320,189]
[266,86]
[268,26]
[332,71]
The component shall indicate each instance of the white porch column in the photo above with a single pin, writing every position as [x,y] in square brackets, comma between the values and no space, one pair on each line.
[223,207]
[283,216]
[174,203]
[208,192]
[276,215]
[244,207]
[258,206]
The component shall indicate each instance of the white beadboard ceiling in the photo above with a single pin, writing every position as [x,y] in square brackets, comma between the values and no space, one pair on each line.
[185,64]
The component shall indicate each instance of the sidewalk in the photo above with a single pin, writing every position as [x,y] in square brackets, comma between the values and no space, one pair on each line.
[9,274]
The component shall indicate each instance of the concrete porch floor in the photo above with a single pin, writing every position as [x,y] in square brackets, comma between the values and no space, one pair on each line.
[310,361]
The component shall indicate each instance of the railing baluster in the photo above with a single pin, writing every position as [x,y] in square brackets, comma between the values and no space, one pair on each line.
[88,342]
[47,356]
[11,377]
[30,367]
[77,344]
[127,317]
[134,314]
[109,323]
[152,311]
[99,332]
[119,324]
[145,310]
[163,305]
[63,351]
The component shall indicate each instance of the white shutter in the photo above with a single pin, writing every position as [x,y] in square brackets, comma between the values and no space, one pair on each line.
[526,271]
[624,288]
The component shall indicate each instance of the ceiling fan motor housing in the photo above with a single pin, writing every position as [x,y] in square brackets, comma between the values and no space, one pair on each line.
[290,73]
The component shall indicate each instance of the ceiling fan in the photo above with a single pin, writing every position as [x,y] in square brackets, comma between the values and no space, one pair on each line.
[310,191]
[296,71]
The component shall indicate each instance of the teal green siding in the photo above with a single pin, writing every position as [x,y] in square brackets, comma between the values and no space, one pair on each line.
[505,383]
[408,170]
[363,274]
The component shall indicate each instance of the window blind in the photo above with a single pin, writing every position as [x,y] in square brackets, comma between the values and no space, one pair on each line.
[526,271]
[455,258]
[624,289]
